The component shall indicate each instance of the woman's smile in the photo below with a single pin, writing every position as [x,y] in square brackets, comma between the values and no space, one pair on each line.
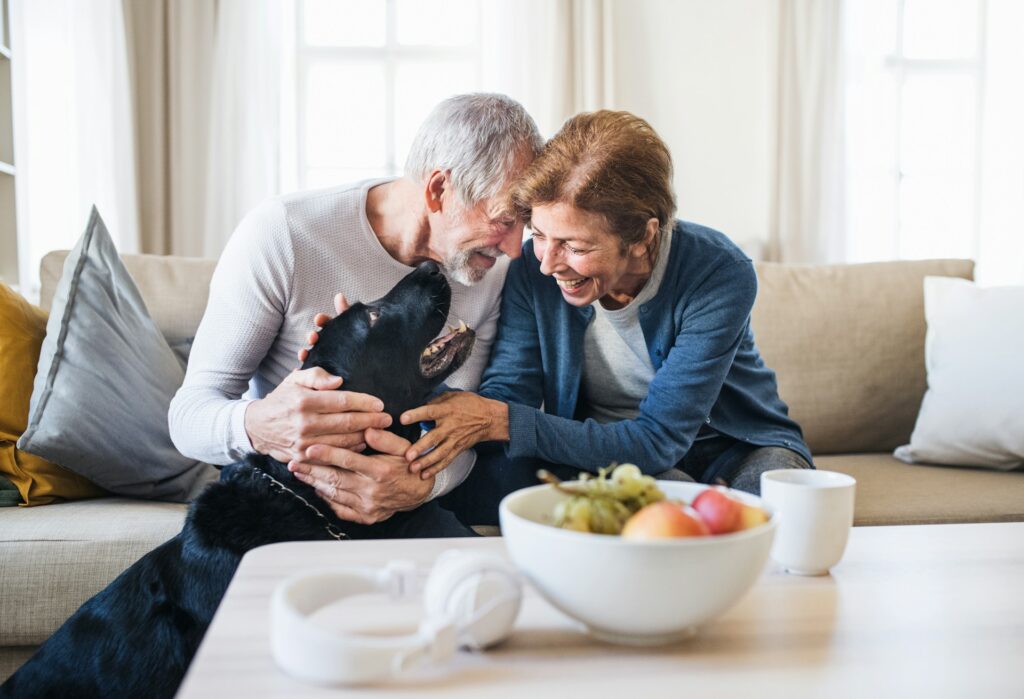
[572,286]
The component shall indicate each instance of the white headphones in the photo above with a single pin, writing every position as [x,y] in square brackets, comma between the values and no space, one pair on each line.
[471,600]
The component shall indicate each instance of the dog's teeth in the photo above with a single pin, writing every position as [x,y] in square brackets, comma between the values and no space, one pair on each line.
[462,326]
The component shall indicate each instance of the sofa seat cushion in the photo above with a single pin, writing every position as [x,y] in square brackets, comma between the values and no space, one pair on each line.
[53,558]
[892,492]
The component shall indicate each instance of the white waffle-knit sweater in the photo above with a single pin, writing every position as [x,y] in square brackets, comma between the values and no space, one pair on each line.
[283,265]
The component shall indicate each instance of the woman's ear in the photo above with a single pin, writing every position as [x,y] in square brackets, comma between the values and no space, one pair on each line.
[652,230]
[649,242]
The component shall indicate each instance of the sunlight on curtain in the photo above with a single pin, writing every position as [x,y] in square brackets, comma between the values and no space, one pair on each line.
[73,94]
[553,56]
[808,222]
[243,164]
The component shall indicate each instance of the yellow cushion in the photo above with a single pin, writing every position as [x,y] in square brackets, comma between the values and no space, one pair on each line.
[22,327]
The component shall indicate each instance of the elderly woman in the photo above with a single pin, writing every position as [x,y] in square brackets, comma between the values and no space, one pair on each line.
[624,334]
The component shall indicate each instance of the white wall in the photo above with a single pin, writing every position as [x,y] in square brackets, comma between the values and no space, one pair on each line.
[703,73]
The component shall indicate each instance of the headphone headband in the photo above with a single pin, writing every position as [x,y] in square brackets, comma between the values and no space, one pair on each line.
[462,594]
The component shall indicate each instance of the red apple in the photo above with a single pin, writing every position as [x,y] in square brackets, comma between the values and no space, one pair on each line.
[719,510]
[752,517]
[664,519]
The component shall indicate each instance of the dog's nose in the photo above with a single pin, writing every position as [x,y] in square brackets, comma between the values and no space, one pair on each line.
[430,267]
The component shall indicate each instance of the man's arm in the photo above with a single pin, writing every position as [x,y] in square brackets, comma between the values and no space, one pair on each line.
[248,301]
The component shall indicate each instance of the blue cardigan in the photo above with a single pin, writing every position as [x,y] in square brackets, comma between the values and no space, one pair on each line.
[707,368]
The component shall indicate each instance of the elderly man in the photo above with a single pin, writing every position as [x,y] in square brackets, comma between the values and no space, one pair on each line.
[288,258]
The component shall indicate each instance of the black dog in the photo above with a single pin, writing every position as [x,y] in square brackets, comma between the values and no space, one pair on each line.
[137,637]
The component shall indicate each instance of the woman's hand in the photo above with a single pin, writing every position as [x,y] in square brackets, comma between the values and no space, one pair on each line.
[340,305]
[460,420]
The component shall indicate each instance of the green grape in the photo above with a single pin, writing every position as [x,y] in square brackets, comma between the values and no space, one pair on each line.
[602,504]
[574,513]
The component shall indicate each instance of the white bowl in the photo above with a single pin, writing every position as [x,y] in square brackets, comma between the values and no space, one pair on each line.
[630,591]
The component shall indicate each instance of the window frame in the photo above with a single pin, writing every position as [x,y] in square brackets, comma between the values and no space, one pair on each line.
[901,67]
[390,55]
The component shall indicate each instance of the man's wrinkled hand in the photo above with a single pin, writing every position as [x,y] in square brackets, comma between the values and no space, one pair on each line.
[360,488]
[306,409]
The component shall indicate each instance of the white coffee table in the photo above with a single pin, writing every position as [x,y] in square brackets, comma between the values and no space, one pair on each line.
[911,611]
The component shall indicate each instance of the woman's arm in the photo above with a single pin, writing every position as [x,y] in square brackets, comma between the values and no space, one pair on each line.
[680,396]
[513,374]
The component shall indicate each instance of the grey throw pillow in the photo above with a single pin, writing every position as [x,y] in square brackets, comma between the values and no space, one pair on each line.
[105,380]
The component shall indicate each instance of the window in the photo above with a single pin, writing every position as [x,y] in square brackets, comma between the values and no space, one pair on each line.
[923,83]
[367,74]
[913,100]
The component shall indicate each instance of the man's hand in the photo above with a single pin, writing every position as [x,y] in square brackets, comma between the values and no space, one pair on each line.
[364,489]
[461,419]
[305,410]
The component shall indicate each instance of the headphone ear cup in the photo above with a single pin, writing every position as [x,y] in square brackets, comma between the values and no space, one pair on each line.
[479,593]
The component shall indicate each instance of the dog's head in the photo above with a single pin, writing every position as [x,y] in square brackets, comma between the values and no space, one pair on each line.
[390,348]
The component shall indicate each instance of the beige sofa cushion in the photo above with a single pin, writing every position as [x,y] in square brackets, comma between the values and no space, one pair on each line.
[175,289]
[892,492]
[54,557]
[847,345]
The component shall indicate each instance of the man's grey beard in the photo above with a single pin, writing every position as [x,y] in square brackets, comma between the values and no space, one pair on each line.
[459,269]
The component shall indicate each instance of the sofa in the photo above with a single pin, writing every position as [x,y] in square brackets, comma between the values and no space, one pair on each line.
[846,342]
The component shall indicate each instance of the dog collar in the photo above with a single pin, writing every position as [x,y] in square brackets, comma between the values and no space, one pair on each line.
[332,530]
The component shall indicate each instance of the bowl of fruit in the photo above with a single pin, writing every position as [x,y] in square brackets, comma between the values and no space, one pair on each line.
[638,561]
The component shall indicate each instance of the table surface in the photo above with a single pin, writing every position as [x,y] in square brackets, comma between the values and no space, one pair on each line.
[936,609]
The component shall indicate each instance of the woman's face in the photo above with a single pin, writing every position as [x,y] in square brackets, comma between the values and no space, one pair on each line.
[587,262]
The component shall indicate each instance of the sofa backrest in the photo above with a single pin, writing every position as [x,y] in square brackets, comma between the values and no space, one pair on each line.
[846,341]
[174,288]
[847,345]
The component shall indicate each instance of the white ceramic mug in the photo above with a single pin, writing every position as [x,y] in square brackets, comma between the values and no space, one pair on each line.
[816,515]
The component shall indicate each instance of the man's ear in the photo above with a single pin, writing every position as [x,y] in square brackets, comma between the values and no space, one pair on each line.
[436,184]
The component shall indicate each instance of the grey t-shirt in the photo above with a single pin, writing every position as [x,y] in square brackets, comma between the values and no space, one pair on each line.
[617,370]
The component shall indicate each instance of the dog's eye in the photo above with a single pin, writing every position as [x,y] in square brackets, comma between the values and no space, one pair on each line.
[373,315]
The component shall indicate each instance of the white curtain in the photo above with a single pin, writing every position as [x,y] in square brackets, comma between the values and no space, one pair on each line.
[554,56]
[163,113]
[171,45]
[808,213]
[244,158]
[207,100]
[74,127]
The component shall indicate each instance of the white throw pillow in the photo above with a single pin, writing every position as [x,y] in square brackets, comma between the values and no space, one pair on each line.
[973,411]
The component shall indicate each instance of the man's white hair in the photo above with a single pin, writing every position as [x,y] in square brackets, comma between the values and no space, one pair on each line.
[478,138]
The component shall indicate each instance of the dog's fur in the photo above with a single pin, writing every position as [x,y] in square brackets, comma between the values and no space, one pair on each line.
[137,637]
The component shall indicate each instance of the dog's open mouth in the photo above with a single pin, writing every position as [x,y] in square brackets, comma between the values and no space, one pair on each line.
[447,350]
